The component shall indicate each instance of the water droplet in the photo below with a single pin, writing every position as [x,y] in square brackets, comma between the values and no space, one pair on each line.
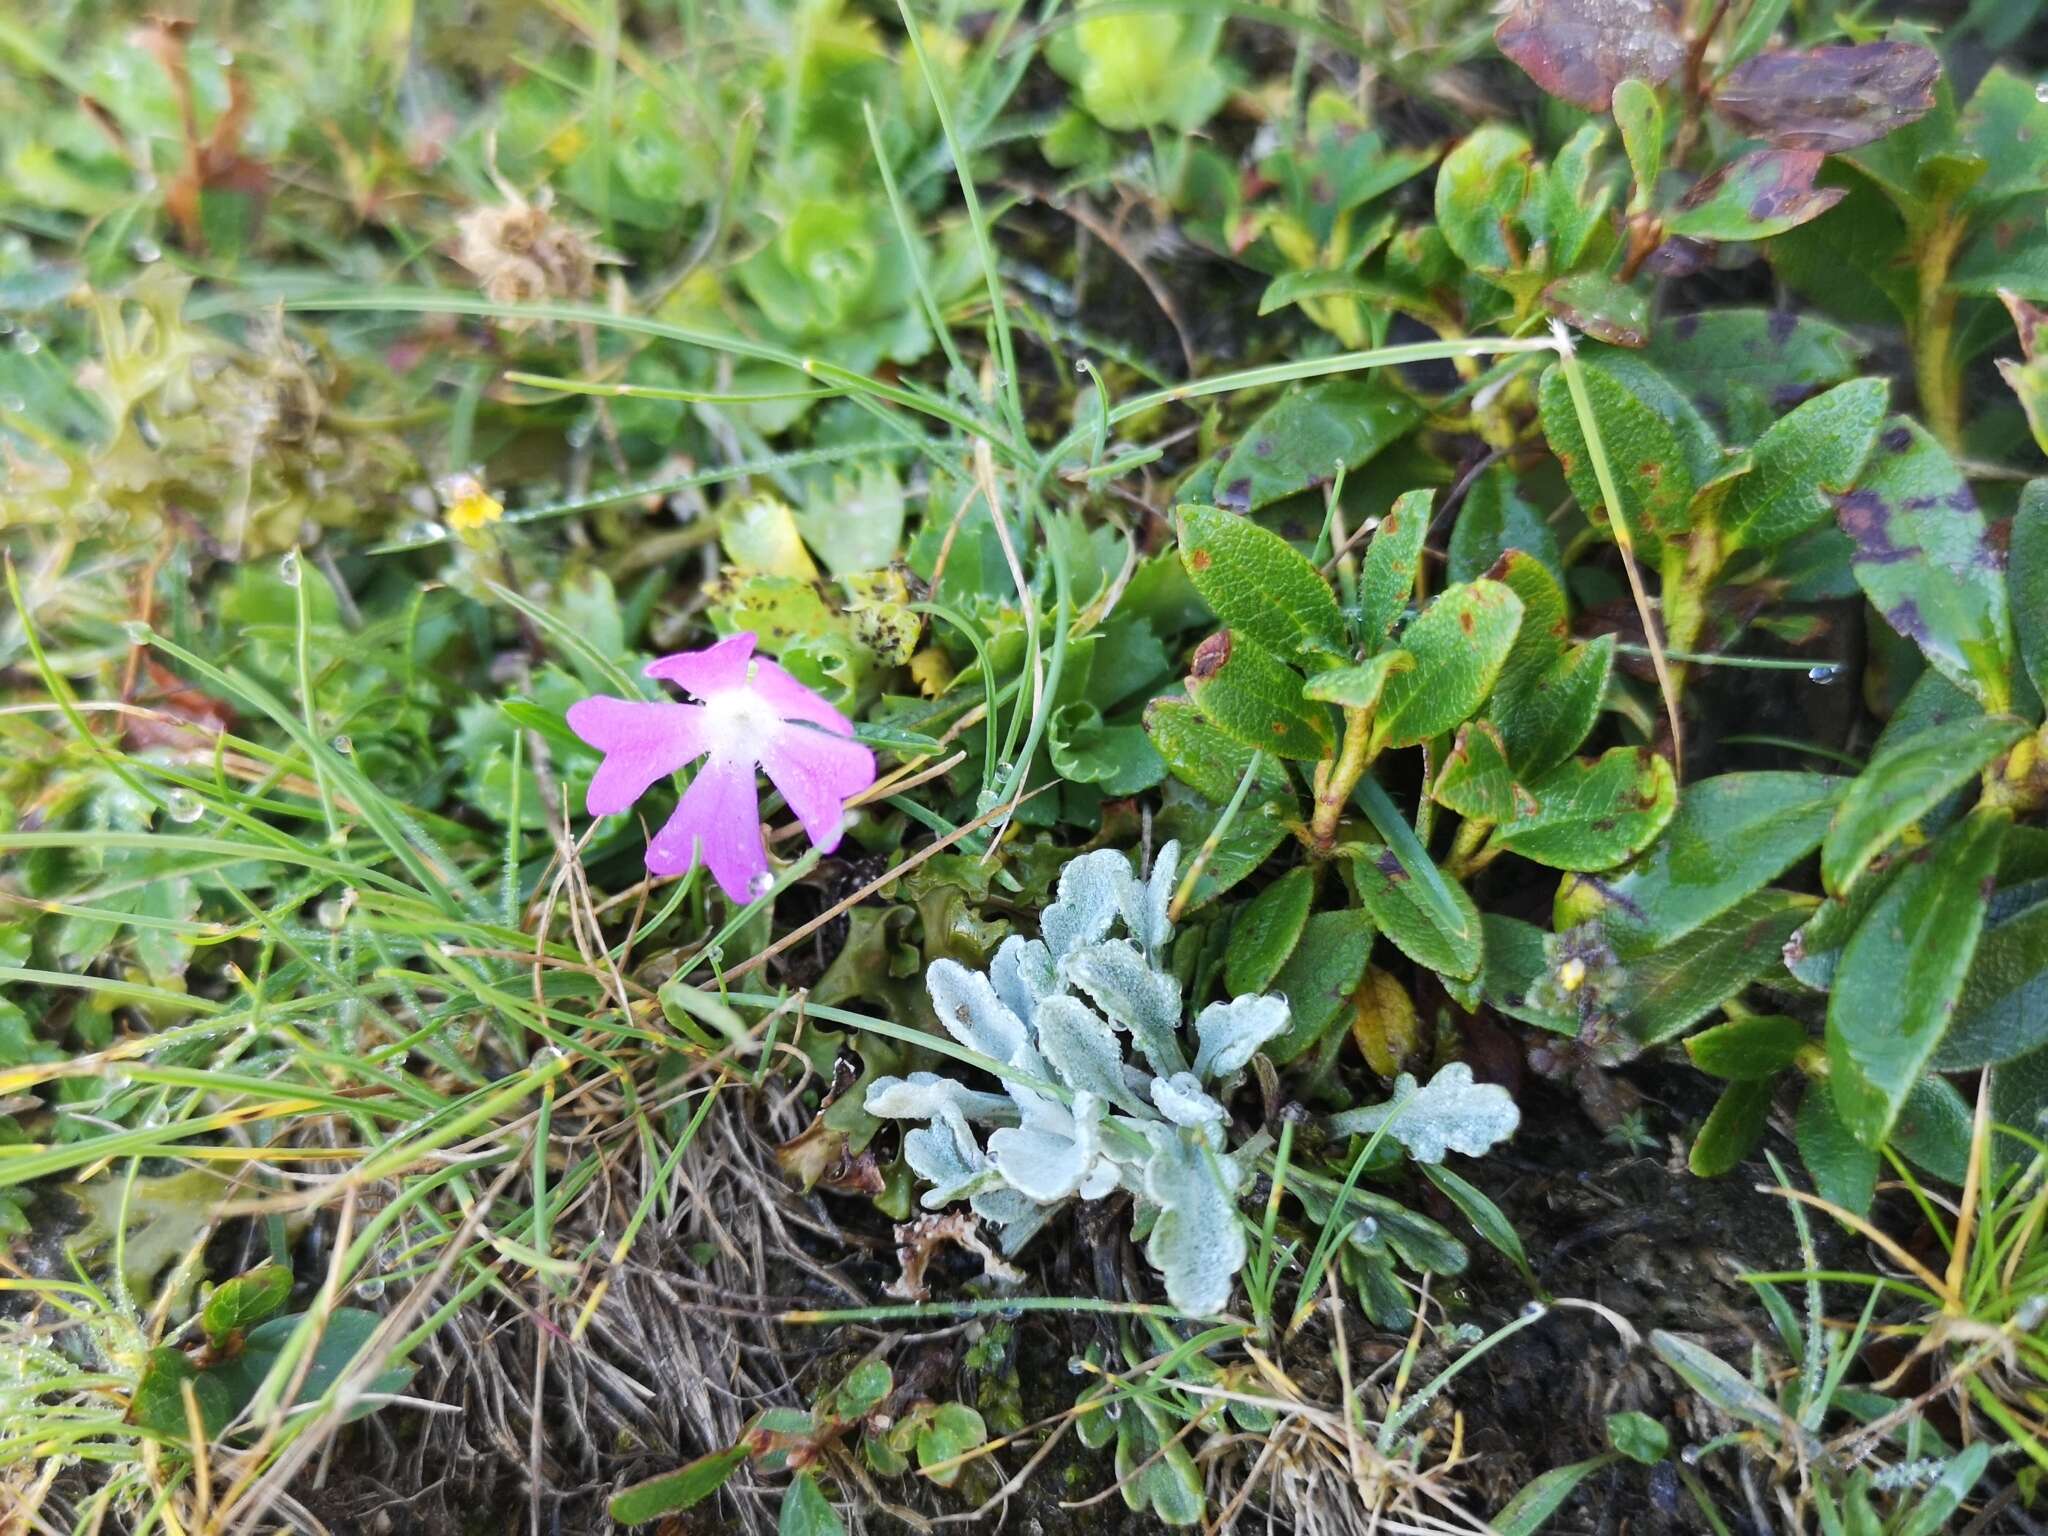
[1824,674]
[1534,1309]
[288,568]
[760,885]
[370,1287]
[2041,91]
[28,343]
[182,807]
[344,745]
[1113,1409]
[224,57]
[1690,1455]
[1076,1366]
[138,633]
[145,251]
[16,404]
[331,914]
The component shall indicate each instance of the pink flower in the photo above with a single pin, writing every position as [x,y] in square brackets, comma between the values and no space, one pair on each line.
[752,714]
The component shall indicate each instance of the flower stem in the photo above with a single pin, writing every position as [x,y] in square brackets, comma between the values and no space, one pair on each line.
[1936,374]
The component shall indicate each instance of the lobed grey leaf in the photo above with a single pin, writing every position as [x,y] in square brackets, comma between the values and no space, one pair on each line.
[1081,1047]
[1054,1151]
[1144,1001]
[1180,1098]
[1146,917]
[1197,1244]
[1452,1114]
[1227,1034]
[1094,891]
[970,1011]
[1023,975]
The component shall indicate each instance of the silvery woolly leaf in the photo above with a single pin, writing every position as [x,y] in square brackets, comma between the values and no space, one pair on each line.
[928,1096]
[1023,975]
[1180,1098]
[1094,889]
[1053,1151]
[1015,1217]
[1083,1050]
[1452,1114]
[1197,1244]
[972,1013]
[1144,1001]
[1226,1034]
[1146,916]
[953,1166]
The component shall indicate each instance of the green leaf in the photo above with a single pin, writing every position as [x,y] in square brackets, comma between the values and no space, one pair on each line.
[1494,518]
[1319,978]
[806,1511]
[1487,1219]
[1801,464]
[1258,585]
[1266,931]
[1387,574]
[1902,972]
[1668,991]
[1301,439]
[345,1336]
[158,1402]
[1902,785]
[671,1492]
[1459,643]
[1731,835]
[1593,815]
[1843,1170]
[1262,823]
[1603,308]
[1745,1049]
[244,1301]
[1477,781]
[1650,470]
[1409,919]
[1924,559]
[2027,575]
[1752,363]
[1732,1129]
[866,1385]
[1545,1495]
[1118,759]
[1933,1130]
[1479,192]
[1754,197]
[952,1430]
[1544,716]
[1203,758]
[1724,1387]
[2006,123]
[1358,687]
[2003,1011]
[1640,117]
[1638,1437]
[1254,698]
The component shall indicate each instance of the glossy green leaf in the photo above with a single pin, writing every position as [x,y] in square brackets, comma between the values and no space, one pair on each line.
[1640,117]
[1358,687]
[1118,759]
[1319,978]
[1650,470]
[671,1492]
[1205,759]
[1902,785]
[1925,560]
[1254,698]
[1753,197]
[1262,823]
[1477,781]
[1732,835]
[1638,1437]
[2006,123]
[2003,1011]
[952,1430]
[1494,518]
[344,1337]
[1410,921]
[1843,1170]
[1725,1387]
[1902,972]
[1545,716]
[1479,191]
[1459,643]
[1544,1495]
[1387,573]
[158,1402]
[1732,1128]
[1744,364]
[1257,584]
[1301,439]
[1266,930]
[1592,815]
[244,1301]
[1602,307]
[1487,1219]
[1666,992]
[806,1511]
[2027,576]
[1756,1045]
[1802,463]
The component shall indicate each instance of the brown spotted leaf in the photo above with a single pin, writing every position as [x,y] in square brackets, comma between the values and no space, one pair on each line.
[1925,559]
[1580,50]
[1830,99]
[1754,197]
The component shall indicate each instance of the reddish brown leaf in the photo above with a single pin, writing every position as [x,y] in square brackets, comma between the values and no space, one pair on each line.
[1830,99]
[1754,197]
[214,161]
[181,715]
[1580,50]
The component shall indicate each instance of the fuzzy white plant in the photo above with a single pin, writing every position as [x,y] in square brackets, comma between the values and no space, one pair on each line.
[1077,1118]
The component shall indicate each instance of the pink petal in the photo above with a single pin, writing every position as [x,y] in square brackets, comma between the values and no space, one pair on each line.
[720,818]
[816,773]
[791,700]
[641,743]
[715,669]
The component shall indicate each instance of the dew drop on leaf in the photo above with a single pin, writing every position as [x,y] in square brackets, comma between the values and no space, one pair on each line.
[288,568]
[1825,674]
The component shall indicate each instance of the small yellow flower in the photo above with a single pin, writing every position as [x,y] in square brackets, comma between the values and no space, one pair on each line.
[1572,974]
[469,504]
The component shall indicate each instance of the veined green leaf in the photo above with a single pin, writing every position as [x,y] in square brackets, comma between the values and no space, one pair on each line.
[1594,815]
[1250,695]
[1666,992]
[1802,463]
[1409,919]
[1257,584]
[1650,471]
[1459,643]
[1387,574]
[1303,438]
[1358,687]
[1904,784]
[1266,931]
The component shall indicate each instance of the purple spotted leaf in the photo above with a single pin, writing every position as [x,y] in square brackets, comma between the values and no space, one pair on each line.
[1925,559]
[1830,99]
[1603,308]
[1754,197]
[1580,50]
